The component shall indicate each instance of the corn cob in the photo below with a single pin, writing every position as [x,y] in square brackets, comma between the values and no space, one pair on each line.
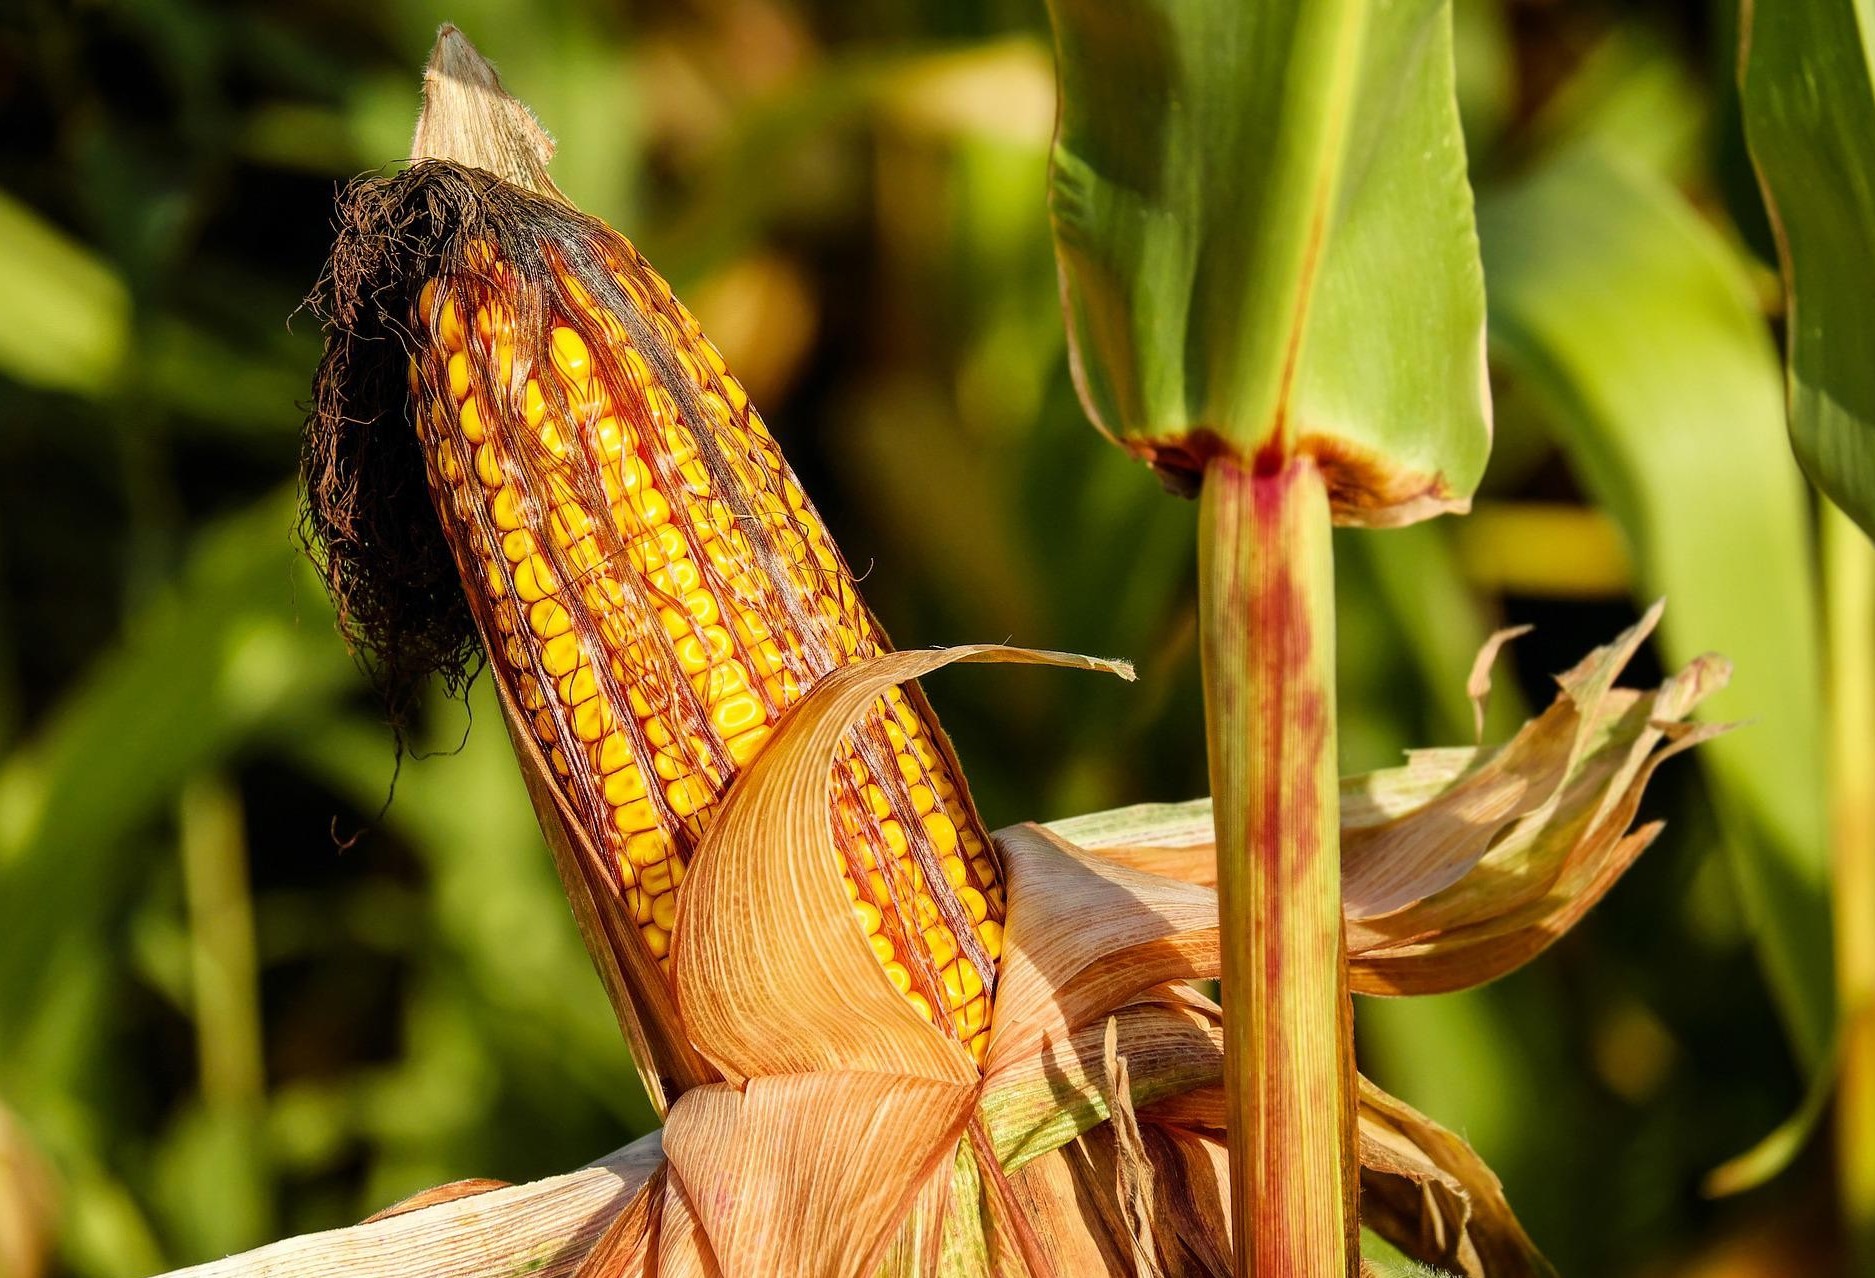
[657,590]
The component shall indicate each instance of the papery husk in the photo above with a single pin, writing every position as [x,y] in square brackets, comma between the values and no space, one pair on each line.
[1091,1143]
[1465,863]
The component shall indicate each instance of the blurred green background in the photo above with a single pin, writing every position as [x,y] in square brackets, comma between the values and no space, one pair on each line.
[242,995]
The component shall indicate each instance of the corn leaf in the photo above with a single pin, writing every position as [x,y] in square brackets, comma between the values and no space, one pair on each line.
[1630,323]
[1807,93]
[1264,234]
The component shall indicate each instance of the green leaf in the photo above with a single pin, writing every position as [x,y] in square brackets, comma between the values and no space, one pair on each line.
[1265,238]
[1633,327]
[80,309]
[1808,99]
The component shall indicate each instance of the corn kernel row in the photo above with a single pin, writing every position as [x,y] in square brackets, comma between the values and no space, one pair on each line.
[660,591]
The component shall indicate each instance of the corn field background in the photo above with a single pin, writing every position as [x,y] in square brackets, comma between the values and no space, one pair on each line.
[257,979]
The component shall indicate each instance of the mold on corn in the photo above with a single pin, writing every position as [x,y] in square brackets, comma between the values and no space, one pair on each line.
[655,591]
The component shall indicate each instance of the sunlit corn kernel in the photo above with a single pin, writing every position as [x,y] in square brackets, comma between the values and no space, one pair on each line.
[940,942]
[657,939]
[876,801]
[664,911]
[488,466]
[990,932]
[975,903]
[625,786]
[894,835]
[736,714]
[656,548]
[677,578]
[649,847]
[570,355]
[661,876]
[900,978]
[458,368]
[611,753]
[496,582]
[687,795]
[611,439]
[636,817]
[953,984]
[744,746]
[548,618]
[943,832]
[507,506]
[592,719]
[560,655]
[975,1013]
[698,651]
[578,686]
[517,545]
[920,1004]
[972,979]
[670,765]
[955,872]
[868,914]
[877,887]
[767,659]
[647,508]
[881,947]
[638,903]
[783,689]
[470,420]
[979,1048]
[534,579]
[449,327]
[720,681]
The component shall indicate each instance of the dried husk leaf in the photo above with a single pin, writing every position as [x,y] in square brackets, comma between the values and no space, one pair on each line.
[1424,1190]
[811,1173]
[1524,879]
[1038,1102]
[1087,938]
[772,975]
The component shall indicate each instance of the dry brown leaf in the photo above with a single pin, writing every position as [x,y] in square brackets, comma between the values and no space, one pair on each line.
[1425,1191]
[1478,683]
[811,1173]
[1086,937]
[1037,1102]
[1526,879]
[436,1195]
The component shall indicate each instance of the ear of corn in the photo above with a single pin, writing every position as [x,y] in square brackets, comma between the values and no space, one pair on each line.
[655,590]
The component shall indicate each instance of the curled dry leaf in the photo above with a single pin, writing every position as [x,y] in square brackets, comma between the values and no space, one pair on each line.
[1465,863]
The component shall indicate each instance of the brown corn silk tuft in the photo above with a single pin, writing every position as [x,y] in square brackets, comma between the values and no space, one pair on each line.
[617,526]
